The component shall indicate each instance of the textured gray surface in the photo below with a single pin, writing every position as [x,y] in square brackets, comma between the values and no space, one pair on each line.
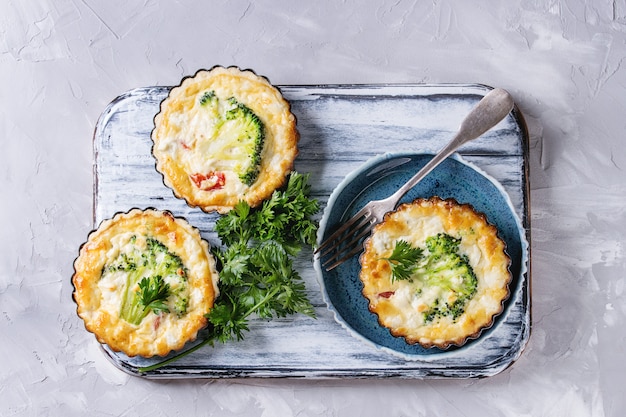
[62,62]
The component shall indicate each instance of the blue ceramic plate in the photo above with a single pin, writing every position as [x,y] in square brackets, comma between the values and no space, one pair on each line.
[379,178]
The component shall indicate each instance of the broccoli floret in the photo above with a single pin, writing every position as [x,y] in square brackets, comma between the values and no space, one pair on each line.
[242,134]
[442,244]
[208,97]
[439,265]
[156,280]
[449,270]
[250,136]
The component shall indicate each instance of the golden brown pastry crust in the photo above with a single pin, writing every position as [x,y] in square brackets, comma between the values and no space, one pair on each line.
[394,302]
[266,101]
[155,334]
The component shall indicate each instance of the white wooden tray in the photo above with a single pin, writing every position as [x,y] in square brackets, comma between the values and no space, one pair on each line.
[341,127]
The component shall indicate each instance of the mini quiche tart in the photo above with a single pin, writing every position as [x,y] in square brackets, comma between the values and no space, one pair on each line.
[435,272]
[222,136]
[144,281]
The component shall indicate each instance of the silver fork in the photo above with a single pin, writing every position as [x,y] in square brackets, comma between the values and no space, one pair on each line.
[344,242]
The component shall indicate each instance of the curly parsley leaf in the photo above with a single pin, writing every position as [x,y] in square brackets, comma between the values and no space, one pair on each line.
[285,218]
[403,260]
[153,293]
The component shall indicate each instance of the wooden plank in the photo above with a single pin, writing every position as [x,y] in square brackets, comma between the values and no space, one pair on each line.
[341,127]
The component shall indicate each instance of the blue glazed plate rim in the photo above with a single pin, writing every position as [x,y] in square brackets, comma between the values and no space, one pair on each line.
[386,342]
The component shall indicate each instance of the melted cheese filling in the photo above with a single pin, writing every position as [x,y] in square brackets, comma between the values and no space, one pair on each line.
[203,141]
[113,284]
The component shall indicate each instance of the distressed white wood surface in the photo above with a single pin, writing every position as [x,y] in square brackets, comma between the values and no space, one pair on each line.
[341,127]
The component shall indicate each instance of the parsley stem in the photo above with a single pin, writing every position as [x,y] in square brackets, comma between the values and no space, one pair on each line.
[261,302]
[174,358]
[206,341]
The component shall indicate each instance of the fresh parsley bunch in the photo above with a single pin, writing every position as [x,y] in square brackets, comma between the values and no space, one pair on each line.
[256,273]
[257,277]
[285,218]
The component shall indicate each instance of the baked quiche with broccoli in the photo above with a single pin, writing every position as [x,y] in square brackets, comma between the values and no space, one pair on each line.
[222,136]
[144,281]
[435,272]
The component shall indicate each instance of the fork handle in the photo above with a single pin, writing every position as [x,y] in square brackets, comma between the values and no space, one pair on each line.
[489,111]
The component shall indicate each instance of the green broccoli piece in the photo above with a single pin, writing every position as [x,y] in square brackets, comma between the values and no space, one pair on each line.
[250,136]
[439,265]
[241,132]
[208,97]
[449,270]
[156,280]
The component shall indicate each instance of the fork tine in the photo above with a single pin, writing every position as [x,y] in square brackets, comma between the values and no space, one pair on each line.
[337,233]
[349,255]
[342,237]
[352,247]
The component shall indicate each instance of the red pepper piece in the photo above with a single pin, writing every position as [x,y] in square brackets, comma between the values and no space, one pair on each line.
[210,181]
